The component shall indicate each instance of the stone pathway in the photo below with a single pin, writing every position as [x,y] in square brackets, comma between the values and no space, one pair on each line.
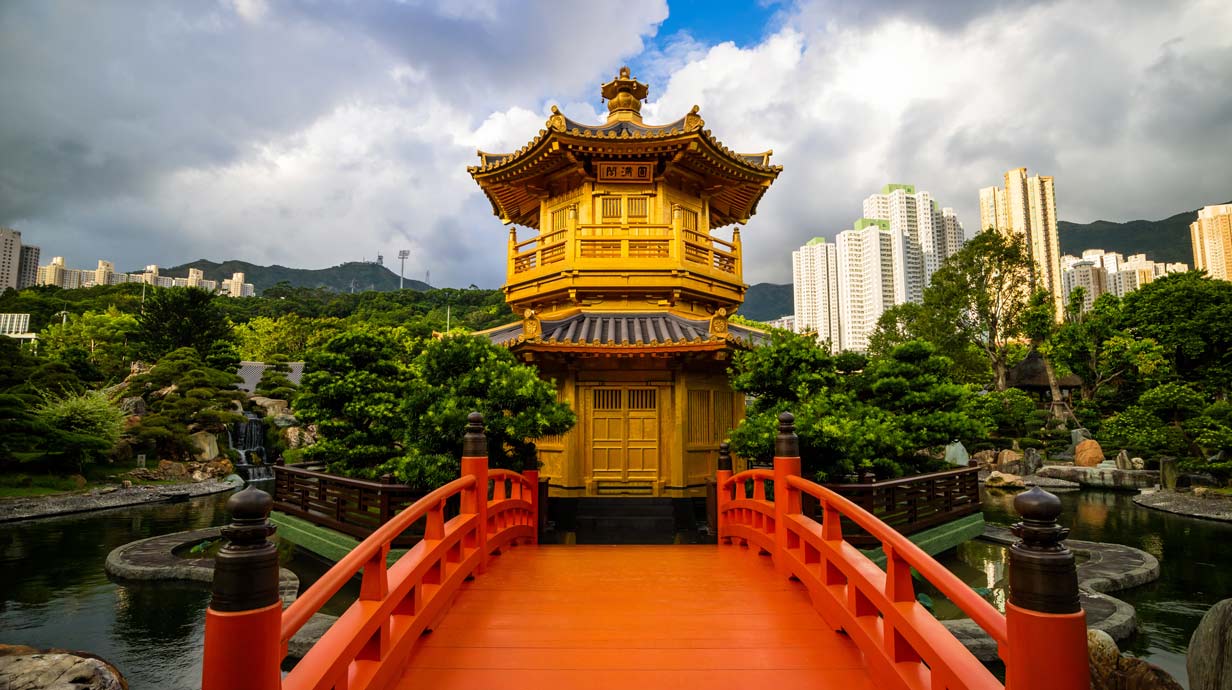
[1185,503]
[12,509]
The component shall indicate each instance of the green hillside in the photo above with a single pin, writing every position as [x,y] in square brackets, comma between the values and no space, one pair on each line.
[351,276]
[1161,240]
[767,301]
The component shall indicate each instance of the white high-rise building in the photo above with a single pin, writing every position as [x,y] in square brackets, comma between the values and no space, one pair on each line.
[873,278]
[10,258]
[815,277]
[931,234]
[1122,275]
[55,273]
[1089,276]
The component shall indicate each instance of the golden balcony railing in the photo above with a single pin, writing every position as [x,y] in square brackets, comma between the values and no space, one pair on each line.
[602,246]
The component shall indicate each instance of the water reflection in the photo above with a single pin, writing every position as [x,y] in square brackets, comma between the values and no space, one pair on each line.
[1195,565]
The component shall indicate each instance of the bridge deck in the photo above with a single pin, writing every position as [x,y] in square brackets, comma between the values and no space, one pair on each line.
[637,617]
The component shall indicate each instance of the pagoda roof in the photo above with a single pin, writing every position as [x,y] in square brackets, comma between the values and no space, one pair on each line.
[515,182]
[627,331]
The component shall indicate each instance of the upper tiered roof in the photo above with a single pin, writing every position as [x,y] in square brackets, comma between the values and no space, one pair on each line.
[685,154]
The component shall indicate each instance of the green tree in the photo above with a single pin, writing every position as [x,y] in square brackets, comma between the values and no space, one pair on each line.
[351,389]
[103,338]
[288,336]
[386,402]
[1095,346]
[983,292]
[183,395]
[1190,315]
[180,317]
[82,427]
[274,382]
[880,418]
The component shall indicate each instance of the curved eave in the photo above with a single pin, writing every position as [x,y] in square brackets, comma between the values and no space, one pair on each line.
[503,176]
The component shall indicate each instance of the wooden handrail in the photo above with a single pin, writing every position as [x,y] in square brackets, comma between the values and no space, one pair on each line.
[900,481]
[948,583]
[311,601]
[1041,637]
[344,481]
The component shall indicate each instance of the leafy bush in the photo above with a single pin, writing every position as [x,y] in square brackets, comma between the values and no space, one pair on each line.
[82,428]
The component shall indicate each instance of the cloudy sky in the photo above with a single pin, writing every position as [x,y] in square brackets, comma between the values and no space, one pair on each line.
[310,132]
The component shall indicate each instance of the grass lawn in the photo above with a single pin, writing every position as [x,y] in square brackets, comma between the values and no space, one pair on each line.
[17,484]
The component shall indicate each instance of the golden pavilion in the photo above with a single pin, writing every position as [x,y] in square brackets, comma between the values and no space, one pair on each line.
[625,291]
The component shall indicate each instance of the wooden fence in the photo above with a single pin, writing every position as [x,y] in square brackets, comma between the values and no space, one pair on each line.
[910,504]
[351,506]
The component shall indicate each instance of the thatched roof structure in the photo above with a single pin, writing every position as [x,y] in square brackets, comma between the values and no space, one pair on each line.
[1029,375]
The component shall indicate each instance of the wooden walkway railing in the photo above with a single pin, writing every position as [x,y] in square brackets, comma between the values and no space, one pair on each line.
[351,506]
[909,504]
[1041,638]
[246,632]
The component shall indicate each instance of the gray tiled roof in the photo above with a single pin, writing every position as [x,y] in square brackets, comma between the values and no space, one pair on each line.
[251,373]
[623,328]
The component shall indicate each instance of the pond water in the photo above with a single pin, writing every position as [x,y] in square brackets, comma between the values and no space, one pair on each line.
[54,592]
[1194,558]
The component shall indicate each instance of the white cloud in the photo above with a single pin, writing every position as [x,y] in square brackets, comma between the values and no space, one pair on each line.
[311,133]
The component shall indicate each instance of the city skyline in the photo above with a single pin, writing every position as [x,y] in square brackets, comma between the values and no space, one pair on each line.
[318,136]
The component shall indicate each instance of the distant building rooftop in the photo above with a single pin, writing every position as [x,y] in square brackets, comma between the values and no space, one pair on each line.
[251,372]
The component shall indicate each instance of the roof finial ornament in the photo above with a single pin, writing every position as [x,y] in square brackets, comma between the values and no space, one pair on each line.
[624,96]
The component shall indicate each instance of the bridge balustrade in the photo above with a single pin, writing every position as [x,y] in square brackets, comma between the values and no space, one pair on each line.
[247,632]
[1041,638]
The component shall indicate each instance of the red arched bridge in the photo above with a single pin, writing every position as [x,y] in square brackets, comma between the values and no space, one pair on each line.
[781,602]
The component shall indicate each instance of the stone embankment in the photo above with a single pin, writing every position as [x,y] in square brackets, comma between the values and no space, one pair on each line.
[1102,477]
[110,497]
[1199,503]
[155,559]
[27,668]
[1107,568]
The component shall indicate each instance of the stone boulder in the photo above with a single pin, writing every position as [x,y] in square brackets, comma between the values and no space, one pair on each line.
[1123,462]
[985,457]
[298,437]
[1001,480]
[1088,453]
[1079,435]
[134,406]
[270,407]
[283,421]
[25,668]
[206,444]
[172,470]
[214,469]
[1209,660]
[1031,461]
[956,454]
[1137,463]
[1110,670]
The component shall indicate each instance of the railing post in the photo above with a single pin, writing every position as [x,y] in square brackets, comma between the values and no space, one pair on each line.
[1045,624]
[786,499]
[475,499]
[722,493]
[531,494]
[244,619]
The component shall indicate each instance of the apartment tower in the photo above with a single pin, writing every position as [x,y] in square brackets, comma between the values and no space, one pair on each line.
[1211,235]
[871,261]
[814,270]
[1027,208]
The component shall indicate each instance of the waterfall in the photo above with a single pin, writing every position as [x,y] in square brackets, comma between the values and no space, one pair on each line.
[248,439]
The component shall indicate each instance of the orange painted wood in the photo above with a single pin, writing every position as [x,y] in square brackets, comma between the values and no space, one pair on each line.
[639,617]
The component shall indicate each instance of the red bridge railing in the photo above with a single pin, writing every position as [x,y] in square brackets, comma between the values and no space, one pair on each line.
[1041,638]
[247,631]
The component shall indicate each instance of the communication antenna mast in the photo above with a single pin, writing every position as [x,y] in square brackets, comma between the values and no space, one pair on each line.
[402,254]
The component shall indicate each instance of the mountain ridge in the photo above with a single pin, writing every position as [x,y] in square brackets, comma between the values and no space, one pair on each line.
[345,277]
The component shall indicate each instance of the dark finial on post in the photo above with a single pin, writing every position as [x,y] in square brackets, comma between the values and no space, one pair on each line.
[725,456]
[246,568]
[787,444]
[1043,575]
[475,443]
